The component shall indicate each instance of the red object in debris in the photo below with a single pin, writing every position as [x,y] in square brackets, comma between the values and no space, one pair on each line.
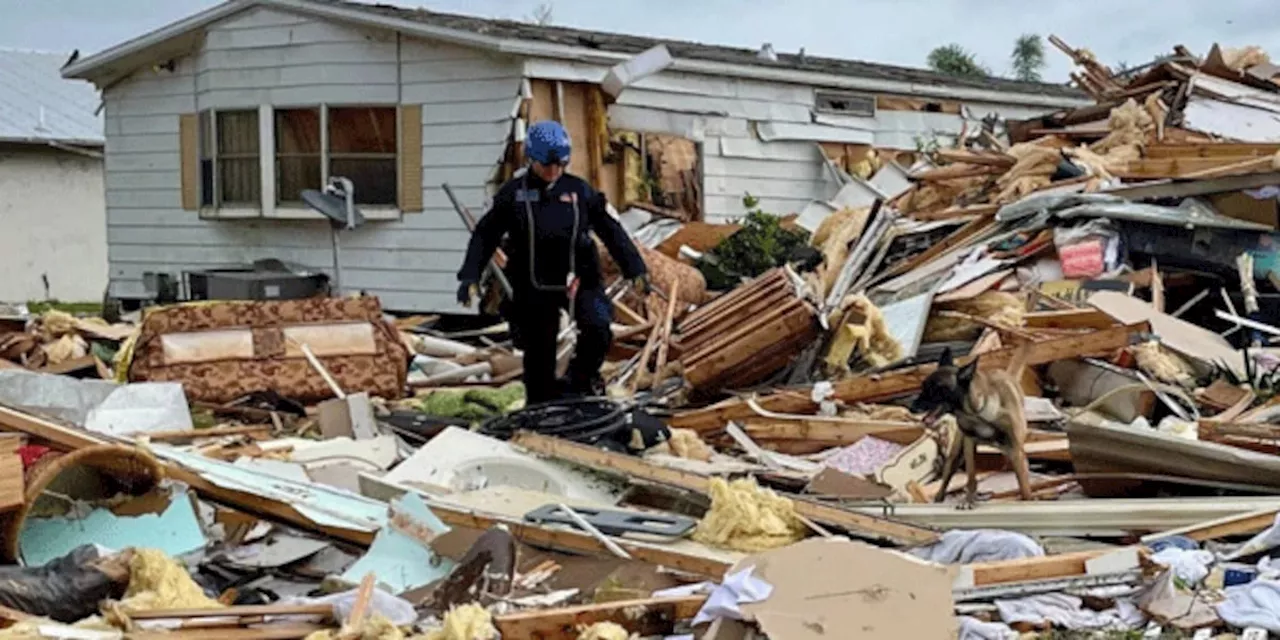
[32,453]
[1083,259]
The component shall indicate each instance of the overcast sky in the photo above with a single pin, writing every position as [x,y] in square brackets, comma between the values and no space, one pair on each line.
[890,31]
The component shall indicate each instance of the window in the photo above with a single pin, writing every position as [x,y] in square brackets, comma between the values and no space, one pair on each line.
[848,104]
[298,154]
[257,162]
[229,166]
[360,145]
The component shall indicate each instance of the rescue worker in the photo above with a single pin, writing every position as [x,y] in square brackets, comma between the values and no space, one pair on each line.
[546,216]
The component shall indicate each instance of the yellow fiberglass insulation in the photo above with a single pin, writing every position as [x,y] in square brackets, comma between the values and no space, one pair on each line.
[158,582]
[861,329]
[745,517]
[604,631]
[1164,365]
[374,627]
[685,443]
[995,306]
[467,622]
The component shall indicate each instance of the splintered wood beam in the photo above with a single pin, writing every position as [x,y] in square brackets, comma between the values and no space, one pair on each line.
[876,388]
[647,617]
[636,468]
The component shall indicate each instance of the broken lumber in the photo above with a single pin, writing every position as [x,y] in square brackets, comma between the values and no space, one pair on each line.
[904,381]
[1027,569]
[647,617]
[635,468]
[71,439]
[564,539]
[742,337]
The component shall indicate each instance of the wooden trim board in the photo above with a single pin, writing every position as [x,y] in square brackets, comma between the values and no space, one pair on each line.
[631,467]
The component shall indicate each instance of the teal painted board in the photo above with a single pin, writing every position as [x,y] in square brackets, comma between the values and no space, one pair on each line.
[176,531]
[399,561]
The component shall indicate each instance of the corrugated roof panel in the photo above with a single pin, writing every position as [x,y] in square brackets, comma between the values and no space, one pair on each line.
[37,104]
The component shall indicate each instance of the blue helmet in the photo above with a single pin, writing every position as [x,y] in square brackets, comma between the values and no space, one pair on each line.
[547,142]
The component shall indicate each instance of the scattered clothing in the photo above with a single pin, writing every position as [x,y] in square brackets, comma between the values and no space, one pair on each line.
[1191,567]
[1062,610]
[978,545]
[1256,604]
[974,629]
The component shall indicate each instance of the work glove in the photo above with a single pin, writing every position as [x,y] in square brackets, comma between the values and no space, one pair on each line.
[641,284]
[467,293]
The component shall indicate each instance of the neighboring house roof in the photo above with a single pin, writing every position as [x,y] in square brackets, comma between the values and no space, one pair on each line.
[37,105]
[519,38]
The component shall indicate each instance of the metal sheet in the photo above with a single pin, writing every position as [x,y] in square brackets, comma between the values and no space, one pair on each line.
[1236,121]
[906,320]
[1100,448]
[325,506]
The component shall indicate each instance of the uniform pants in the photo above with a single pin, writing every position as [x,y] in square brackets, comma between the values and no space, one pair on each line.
[535,322]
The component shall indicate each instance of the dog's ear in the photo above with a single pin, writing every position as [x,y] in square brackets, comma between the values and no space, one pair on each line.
[945,360]
[965,375]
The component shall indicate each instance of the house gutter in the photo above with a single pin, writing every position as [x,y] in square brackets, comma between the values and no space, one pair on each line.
[565,52]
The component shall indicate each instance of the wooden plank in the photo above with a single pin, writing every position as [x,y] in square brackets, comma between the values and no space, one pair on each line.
[635,468]
[971,157]
[242,611]
[897,383]
[1089,318]
[1185,167]
[827,432]
[1025,569]
[1211,150]
[648,617]
[214,432]
[1243,524]
[282,631]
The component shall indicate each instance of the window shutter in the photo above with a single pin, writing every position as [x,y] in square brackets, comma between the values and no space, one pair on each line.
[189,148]
[410,158]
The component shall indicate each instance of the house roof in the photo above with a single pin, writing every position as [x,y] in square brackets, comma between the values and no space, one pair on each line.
[628,44]
[38,105]
[520,38]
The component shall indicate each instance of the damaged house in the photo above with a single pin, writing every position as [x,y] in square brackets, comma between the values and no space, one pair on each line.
[216,123]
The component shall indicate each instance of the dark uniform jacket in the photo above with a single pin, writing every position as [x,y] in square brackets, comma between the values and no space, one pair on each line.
[541,254]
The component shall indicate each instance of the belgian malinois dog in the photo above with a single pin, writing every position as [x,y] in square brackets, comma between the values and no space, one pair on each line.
[987,406]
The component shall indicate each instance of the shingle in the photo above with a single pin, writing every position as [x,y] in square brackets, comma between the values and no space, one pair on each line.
[620,43]
[37,104]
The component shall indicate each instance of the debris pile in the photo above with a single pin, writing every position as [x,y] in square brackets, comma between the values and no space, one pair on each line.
[1032,366]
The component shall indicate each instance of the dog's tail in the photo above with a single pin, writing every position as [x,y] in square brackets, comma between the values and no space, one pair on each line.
[1019,360]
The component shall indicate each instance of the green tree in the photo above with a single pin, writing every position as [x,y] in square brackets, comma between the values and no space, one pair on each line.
[1028,58]
[954,60]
